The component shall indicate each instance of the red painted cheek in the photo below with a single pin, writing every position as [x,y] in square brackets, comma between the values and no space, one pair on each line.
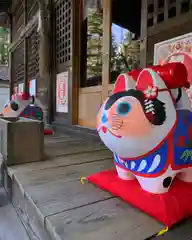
[104,129]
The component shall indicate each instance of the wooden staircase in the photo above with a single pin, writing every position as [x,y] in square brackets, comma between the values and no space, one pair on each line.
[54,205]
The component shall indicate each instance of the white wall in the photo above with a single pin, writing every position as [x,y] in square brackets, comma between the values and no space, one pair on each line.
[4,96]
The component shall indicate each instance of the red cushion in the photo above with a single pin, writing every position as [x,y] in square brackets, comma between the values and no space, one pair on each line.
[168,208]
[48,132]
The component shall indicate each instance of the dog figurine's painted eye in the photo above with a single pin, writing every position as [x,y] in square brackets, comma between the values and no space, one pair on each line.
[123,108]
[14,106]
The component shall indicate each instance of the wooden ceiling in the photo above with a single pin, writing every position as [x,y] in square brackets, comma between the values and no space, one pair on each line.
[127,14]
[4,4]
[4,19]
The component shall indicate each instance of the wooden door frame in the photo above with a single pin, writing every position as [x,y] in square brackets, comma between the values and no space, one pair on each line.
[106,57]
[76,59]
[72,67]
[143,37]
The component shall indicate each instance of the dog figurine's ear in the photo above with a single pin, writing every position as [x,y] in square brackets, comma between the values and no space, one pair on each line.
[126,81]
[156,95]
[148,79]
[38,103]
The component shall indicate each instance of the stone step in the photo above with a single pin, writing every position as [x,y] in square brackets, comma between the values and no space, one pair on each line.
[76,130]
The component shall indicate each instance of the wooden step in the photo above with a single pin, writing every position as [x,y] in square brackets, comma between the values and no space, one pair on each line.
[54,205]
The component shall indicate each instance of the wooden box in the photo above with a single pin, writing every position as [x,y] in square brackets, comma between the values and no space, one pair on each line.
[21,140]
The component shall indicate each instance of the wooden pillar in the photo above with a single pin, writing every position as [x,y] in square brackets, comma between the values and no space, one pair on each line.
[106,66]
[26,85]
[166,9]
[178,7]
[44,91]
[143,44]
[76,57]
[11,58]
[155,12]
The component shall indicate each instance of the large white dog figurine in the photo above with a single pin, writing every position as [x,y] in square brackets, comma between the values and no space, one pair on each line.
[147,124]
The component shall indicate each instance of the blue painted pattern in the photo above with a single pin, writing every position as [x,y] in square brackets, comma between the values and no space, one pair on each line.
[182,151]
[33,112]
[150,164]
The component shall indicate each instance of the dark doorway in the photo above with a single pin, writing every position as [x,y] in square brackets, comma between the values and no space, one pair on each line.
[126,21]
[125,44]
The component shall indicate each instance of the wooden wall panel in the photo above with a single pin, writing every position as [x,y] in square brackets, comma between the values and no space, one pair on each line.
[90,100]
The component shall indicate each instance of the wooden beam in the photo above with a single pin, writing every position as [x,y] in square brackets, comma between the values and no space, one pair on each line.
[143,43]
[166,9]
[76,57]
[15,6]
[178,7]
[26,85]
[51,63]
[11,60]
[155,12]
[26,31]
[169,24]
[106,66]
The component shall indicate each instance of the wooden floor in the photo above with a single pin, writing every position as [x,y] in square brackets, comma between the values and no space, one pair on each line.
[49,195]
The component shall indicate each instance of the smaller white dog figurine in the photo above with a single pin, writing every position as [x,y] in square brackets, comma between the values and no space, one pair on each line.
[23,105]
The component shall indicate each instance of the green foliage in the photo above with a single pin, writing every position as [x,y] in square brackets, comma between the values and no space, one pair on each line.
[94,43]
[124,57]
[4,45]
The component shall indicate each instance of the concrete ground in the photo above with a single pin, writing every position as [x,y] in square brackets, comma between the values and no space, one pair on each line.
[10,224]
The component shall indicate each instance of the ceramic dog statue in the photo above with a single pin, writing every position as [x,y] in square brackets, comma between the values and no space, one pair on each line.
[147,124]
